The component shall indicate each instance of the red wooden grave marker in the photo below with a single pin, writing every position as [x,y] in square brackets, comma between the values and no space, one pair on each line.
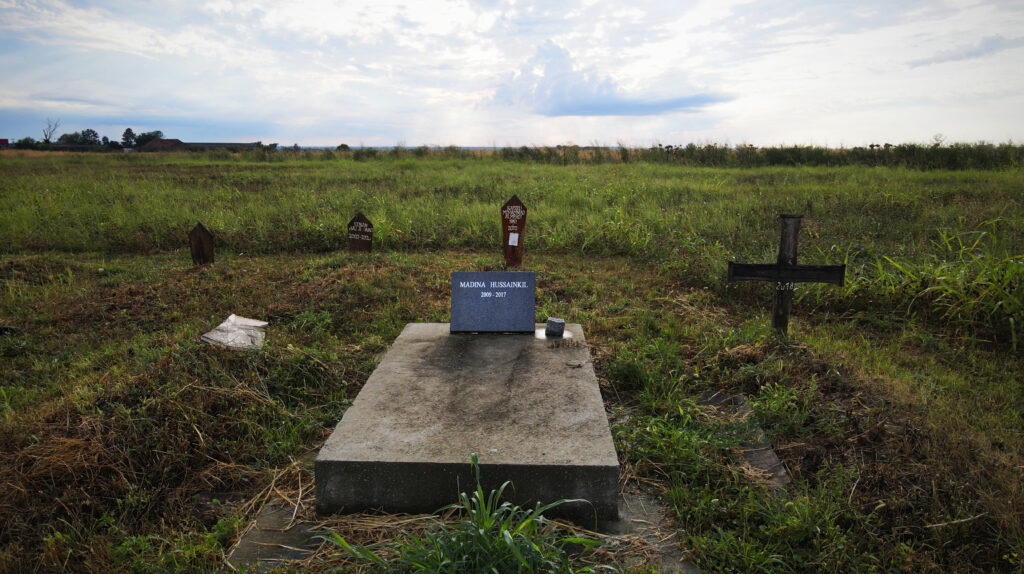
[513,227]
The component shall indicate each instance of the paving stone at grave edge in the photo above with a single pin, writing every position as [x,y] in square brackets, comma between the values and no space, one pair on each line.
[644,515]
[273,540]
[532,411]
[759,455]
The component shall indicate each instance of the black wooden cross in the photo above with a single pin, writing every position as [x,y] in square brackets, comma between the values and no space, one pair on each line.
[786,273]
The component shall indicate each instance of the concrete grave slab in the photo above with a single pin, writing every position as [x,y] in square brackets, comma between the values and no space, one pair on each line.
[530,407]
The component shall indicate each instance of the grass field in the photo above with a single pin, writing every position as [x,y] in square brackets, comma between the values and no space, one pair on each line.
[896,403]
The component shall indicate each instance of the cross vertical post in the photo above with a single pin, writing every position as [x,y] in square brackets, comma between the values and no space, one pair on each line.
[782,300]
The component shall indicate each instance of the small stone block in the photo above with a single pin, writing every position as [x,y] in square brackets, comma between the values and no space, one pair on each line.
[555,328]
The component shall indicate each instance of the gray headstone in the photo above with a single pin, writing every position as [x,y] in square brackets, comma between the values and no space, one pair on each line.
[493,301]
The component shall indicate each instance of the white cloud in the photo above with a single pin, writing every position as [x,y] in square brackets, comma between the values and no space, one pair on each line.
[523,71]
[550,84]
[986,46]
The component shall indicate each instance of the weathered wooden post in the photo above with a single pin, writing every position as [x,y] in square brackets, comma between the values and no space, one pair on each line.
[200,242]
[786,273]
[360,233]
[513,227]
[782,299]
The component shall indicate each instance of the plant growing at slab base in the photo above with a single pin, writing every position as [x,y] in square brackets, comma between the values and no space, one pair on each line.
[492,537]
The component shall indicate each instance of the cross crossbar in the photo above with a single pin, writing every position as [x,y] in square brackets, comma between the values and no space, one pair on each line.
[834,274]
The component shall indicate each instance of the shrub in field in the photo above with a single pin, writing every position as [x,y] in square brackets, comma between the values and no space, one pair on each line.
[364,153]
[973,285]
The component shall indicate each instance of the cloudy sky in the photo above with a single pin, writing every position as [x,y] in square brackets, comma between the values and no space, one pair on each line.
[517,72]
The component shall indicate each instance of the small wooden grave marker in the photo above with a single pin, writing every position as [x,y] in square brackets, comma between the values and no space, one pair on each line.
[360,233]
[200,242]
[513,227]
[786,273]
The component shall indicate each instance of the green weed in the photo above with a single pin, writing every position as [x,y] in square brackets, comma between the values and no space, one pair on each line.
[972,283]
[491,536]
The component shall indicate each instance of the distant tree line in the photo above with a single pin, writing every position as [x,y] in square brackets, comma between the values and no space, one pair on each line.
[932,156]
[957,156]
[935,155]
[86,140]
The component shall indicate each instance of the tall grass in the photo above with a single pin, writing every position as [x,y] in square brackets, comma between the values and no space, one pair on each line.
[977,285]
[647,210]
[921,238]
[970,280]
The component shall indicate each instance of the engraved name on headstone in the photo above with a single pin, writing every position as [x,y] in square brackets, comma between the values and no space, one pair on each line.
[513,227]
[360,233]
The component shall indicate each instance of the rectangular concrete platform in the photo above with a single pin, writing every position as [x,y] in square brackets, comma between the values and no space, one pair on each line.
[529,407]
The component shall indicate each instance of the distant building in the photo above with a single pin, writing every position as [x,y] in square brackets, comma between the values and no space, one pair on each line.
[170,144]
[74,147]
[165,145]
[4,143]
[221,145]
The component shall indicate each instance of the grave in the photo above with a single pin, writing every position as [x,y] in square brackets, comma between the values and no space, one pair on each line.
[524,398]
[785,273]
[528,406]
